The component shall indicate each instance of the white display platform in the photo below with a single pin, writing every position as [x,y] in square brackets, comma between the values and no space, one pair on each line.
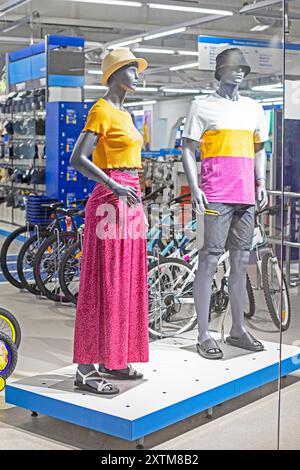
[177,383]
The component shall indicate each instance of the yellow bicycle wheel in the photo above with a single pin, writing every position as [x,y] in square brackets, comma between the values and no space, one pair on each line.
[9,325]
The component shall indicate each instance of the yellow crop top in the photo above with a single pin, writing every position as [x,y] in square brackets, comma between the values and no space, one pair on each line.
[120,143]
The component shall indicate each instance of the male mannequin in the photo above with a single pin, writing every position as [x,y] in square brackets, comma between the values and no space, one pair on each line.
[232,131]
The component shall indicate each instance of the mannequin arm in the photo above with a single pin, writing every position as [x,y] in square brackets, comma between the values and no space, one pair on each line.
[79,160]
[84,147]
[198,197]
[260,174]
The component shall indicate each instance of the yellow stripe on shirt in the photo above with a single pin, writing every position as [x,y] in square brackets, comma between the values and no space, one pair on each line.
[227,143]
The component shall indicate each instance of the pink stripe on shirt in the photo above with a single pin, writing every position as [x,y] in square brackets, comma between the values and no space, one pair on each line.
[228,179]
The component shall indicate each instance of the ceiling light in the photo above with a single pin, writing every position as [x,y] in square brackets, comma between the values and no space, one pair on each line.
[124,43]
[269,87]
[196,53]
[272,100]
[138,103]
[95,87]
[146,88]
[122,3]
[162,6]
[260,27]
[184,66]
[154,51]
[180,90]
[168,32]
[208,91]
[95,72]
[12,5]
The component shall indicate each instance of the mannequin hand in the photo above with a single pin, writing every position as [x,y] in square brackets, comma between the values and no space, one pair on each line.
[125,192]
[262,195]
[198,200]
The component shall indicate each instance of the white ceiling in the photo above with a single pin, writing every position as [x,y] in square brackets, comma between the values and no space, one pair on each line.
[105,24]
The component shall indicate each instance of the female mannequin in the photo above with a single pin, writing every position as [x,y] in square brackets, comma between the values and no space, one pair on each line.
[111,326]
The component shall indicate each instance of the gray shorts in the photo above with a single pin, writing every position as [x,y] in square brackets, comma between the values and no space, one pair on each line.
[233,229]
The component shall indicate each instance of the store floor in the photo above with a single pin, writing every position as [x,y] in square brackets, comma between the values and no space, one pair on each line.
[247,422]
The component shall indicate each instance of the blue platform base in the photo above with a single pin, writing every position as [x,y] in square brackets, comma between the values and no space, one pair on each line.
[164,396]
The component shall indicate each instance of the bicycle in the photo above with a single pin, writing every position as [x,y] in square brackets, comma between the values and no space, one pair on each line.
[26,257]
[171,303]
[48,257]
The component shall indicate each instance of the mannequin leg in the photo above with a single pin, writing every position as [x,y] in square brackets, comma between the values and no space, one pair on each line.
[207,264]
[239,260]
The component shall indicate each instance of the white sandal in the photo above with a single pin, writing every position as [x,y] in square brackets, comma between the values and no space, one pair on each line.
[104,387]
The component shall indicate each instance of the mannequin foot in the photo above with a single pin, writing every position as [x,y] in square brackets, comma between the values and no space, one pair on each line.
[89,380]
[124,374]
[209,349]
[246,341]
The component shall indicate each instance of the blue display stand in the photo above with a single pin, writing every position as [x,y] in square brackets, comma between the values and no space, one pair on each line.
[65,121]
[177,384]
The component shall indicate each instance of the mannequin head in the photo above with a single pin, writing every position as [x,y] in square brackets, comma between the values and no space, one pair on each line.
[231,67]
[125,78]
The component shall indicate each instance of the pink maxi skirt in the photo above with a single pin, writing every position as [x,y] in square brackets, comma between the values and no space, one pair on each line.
[111,325]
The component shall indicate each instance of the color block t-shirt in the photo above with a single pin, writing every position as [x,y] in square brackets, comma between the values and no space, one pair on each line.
[227,131]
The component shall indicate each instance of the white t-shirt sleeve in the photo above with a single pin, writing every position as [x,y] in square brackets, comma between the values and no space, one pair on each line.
[194,126]
[261,133]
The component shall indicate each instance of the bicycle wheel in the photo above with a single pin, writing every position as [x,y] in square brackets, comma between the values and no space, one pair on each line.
[9,325]
[250,306]
[271,280]
[171,302]
[46,264]
[26,259]
[9,253]
[69,271]
[8,356]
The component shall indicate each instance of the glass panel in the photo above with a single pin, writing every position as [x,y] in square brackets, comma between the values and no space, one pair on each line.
[289,168]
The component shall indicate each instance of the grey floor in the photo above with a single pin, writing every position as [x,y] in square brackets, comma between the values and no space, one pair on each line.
[248,422]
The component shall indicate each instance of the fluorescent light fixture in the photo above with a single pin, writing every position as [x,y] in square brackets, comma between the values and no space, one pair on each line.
[95,72]
[184,66]
[272,100]
[195,53]
[12,5]
[95,87]
[180,90]
[260,27]
[208,91]
[168,32]
[121,3]
[146,88]
[162,6]
[154,51]
[124,43]
[268,87]
[138,103]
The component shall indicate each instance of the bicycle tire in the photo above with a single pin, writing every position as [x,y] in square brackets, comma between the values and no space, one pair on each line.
[12,353]
[268,297]
[63,272]
[20,263]
[56,297]
[251,299]
[12,324]
[4,253]
[179,262]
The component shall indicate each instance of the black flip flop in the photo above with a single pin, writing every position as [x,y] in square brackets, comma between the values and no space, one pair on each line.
[128,374]
[208,349]
[247,341]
